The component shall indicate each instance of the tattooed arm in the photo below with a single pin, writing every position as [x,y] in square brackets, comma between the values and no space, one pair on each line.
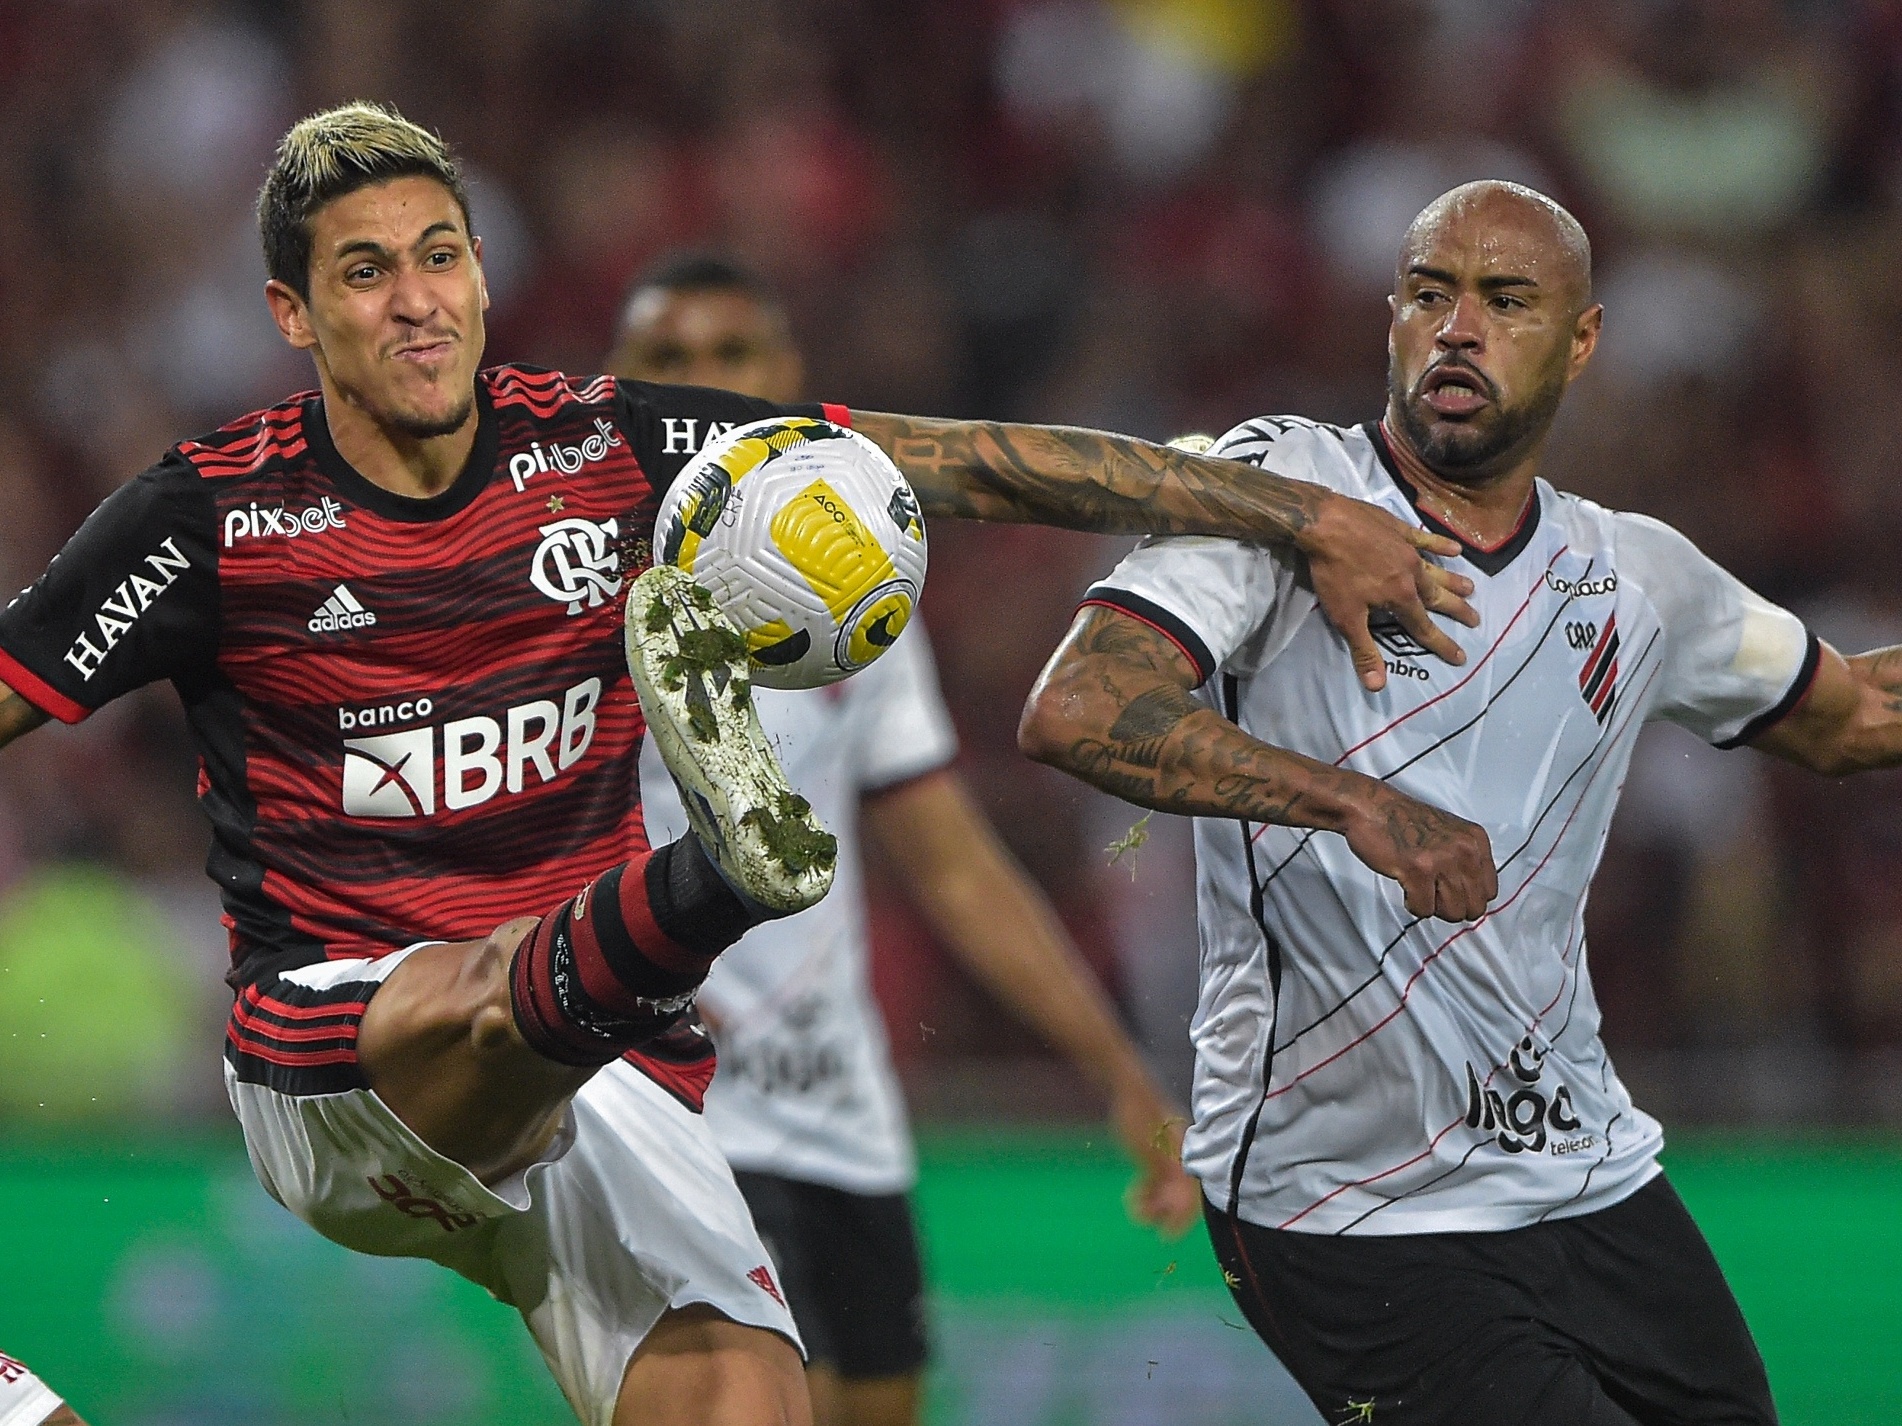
[1358,558]
[1113,708]
[17,716]
[1850,720]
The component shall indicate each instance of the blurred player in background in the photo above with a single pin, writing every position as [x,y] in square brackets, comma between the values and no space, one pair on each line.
[25,1400]
[393,611]
[805,1104]
[1427,1187]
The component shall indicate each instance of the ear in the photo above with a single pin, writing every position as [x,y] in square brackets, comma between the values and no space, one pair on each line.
[291,313]
[482,278]
[1584,339]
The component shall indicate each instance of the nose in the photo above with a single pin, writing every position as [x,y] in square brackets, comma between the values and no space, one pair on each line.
[411,300]
[1464,327]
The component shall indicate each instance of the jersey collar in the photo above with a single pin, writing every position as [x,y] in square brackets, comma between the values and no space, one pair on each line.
[1490,560]
[363,492]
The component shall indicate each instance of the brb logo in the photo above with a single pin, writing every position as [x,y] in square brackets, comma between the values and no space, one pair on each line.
[524,466]
[577,563]
[399,774]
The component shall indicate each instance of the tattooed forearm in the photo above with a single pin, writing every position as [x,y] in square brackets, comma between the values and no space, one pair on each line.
[1126,722]
[1088,480]
[17,716]
[1146,722]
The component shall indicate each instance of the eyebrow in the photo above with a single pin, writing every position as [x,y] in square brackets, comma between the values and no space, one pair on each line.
[377,250]
[1486,284]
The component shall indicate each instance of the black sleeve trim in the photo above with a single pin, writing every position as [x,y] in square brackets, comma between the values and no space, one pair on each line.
[1163,621]
[1763,722]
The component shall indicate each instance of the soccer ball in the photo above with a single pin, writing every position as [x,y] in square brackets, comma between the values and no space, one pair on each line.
[809,540]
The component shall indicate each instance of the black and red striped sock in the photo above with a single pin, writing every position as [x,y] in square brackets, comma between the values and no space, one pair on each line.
[603,971]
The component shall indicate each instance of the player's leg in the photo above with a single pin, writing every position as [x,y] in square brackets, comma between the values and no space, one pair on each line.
[698,1368]
[477,1046]
[1417,1330]
[854,1280]
[874,1283]
[1663,1329]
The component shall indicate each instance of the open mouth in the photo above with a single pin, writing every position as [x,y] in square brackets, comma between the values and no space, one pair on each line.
[1455,390]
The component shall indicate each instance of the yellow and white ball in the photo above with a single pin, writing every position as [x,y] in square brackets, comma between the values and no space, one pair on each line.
[809,540]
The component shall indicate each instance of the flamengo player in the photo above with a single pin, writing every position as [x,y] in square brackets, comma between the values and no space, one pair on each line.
[805,1105]
[1427,1187]
[393,611]
[25,1400]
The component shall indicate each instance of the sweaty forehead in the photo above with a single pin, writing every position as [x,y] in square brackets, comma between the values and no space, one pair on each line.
[1499,233]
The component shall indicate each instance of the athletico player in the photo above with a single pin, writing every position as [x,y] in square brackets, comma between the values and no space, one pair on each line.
[805,1105]
[393,610]
[25,1400]
[1428,1189]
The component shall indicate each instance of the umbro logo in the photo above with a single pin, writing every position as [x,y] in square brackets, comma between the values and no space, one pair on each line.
[340,612]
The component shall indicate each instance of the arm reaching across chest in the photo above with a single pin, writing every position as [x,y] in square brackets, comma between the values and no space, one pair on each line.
[1113,707]
[1359,559]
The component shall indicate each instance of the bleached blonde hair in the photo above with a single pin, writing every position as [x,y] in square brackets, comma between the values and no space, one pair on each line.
[333,153]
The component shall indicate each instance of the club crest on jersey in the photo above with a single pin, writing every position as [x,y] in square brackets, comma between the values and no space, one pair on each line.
[578,563]
[1598,680]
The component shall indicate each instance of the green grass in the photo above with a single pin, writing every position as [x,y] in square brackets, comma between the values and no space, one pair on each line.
[153,1282]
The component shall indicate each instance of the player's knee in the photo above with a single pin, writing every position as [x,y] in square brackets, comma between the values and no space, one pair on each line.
[491,1017]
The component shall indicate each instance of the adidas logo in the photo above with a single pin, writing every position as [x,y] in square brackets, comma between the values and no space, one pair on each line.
[339,612]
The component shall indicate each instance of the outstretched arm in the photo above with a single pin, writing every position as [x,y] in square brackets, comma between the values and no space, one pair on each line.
[992,917]
[1358,558]
[1850,720]
[1113,708]
[17,716]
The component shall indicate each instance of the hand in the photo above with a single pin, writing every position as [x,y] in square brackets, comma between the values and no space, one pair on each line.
[1362,559]
[1443,863]
[1162,1195]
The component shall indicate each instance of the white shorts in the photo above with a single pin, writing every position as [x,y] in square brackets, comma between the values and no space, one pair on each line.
[25,1400]
[631,1212]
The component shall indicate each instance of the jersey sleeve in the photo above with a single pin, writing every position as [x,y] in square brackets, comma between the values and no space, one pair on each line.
[132,598]
[1734,663]
[1224,603]
[667,425]
[902,729]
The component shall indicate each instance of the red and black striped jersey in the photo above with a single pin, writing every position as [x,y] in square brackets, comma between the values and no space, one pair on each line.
[412,716]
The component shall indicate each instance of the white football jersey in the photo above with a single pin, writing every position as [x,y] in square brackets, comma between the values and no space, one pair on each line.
[1361,1070]
[805,1087]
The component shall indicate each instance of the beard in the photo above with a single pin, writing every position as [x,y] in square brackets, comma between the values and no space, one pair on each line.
[423,428]
[1474,454]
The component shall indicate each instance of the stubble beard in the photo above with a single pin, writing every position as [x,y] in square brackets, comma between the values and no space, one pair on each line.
[1474,455]
[423,428]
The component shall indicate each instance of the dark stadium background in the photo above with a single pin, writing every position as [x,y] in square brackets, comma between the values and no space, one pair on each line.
[1150,215]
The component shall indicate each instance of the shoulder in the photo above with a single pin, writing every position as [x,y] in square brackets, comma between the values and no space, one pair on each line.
[1342,458]
[543,391]
[253,443]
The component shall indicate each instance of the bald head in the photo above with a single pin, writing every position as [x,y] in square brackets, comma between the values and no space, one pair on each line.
[1493,213]
[1492,318]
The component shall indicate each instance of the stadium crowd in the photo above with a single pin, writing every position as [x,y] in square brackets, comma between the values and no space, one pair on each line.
[1155,216]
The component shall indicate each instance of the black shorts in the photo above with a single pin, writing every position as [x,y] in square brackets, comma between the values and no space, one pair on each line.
[850,1266]
[1606,1319]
